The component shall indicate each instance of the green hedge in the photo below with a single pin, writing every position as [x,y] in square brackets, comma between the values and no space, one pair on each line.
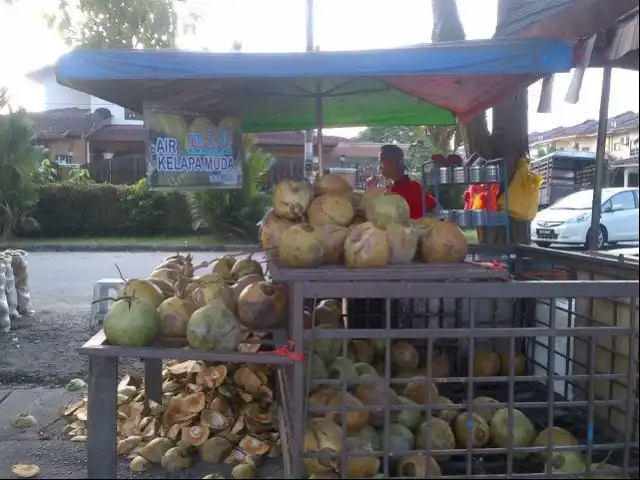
[94,210]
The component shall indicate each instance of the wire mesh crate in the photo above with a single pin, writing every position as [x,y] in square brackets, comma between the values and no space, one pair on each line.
[494,377]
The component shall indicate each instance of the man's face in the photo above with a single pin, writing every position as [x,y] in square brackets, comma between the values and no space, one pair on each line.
[387,166]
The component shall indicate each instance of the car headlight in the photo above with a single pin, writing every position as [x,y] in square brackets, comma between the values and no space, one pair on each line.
[579,219]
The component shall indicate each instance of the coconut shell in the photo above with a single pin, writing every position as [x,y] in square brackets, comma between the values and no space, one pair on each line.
[387,209]
[440,434]
[215,450]
[375,393]
[479,431]
[403,242]
[301,247]
[333,237]
[444,242]
[291,199]
[330,183]
[322,435]
[330,209]
[271,229]
[262,305]
[366,247]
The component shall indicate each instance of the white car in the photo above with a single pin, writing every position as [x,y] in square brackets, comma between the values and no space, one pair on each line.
[568,220]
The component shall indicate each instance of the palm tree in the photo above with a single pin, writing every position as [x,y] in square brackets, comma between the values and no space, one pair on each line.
[19,160]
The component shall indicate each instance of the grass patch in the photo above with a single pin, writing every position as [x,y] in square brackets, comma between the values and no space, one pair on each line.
[199,240]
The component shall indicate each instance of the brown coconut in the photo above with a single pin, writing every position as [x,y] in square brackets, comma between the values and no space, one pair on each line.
[403,243]
[331,209]
[444,242]
[332,183]
[262,305]
[301,247]
[271,229]
[366,247]
[291,199]
[333,237]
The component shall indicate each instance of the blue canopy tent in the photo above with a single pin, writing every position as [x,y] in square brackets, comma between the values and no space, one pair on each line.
[419,85]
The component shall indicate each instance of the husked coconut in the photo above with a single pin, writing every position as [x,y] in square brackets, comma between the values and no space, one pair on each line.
[366,246]
[291,199]
[271,229]
[332,183]
[301,247]
[333,237]
[444,242]
[331,209]
[386,209]
[403,243]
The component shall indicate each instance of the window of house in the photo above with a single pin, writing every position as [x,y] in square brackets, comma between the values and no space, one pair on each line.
[131,115]
[63,159]
[586,149]
[617,147]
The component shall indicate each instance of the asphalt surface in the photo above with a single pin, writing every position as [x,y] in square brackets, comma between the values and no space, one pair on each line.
[42,351]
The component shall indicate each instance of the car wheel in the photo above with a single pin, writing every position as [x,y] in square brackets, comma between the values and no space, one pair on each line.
[543,244]
[602,238]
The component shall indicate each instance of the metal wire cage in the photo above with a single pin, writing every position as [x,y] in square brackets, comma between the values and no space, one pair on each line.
[531,373]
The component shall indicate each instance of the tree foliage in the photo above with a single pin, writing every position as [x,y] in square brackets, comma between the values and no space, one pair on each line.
[123,24]
[19,162]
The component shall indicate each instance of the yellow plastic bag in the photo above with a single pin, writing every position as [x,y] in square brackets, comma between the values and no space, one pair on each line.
[523,193]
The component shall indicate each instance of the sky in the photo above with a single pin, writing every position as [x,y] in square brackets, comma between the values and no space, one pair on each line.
[280,26]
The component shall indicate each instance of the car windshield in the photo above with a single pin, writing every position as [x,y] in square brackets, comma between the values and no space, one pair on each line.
[575,201]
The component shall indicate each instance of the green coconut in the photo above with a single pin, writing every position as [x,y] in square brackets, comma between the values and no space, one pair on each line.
[410,418]
[471,426]
[375,393]
[369,435]
[213,327]
[401,439]
[317,368]
[417,465]
[363,368]
[328,312]
[131,323]
[343,368]
[362,351]
[440,434]
[326,348]
[566,462]
[404,356]
[523,434]
[387,209]
[483,407]
[554,437]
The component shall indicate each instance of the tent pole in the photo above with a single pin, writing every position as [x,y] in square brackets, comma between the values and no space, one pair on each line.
[603,120]
[319,123]
[308,134]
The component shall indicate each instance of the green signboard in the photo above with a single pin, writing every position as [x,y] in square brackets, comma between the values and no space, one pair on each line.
[188,151]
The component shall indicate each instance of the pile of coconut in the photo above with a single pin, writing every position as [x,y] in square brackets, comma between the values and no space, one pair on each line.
[220,414]
[329,223]
[228,308]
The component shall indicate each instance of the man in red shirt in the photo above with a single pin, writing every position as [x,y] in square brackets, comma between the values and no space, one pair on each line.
[370,313]
[393,168]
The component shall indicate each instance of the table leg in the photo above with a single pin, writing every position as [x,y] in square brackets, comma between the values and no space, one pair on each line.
[101,423]
[153,379]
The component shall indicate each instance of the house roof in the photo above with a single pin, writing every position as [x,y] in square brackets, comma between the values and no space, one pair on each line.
[138,133]
[65,123]
[620,123]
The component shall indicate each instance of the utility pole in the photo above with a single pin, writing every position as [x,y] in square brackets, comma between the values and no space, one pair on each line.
[308,135]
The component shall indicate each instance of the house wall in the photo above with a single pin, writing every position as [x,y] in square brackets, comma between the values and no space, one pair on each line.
[619,145]
[61,147]
[56,96]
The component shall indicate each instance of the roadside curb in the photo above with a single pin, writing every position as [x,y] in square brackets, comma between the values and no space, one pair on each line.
[130,248]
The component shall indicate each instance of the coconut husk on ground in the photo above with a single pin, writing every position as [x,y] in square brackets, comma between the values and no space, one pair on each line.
[216,413]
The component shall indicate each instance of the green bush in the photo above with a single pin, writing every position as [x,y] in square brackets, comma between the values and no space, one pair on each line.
[92,210]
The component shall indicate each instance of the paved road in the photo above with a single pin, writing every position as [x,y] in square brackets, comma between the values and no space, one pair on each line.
[44,352]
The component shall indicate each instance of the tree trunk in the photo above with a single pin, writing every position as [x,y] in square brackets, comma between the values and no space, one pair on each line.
[509,141]
[447,27]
